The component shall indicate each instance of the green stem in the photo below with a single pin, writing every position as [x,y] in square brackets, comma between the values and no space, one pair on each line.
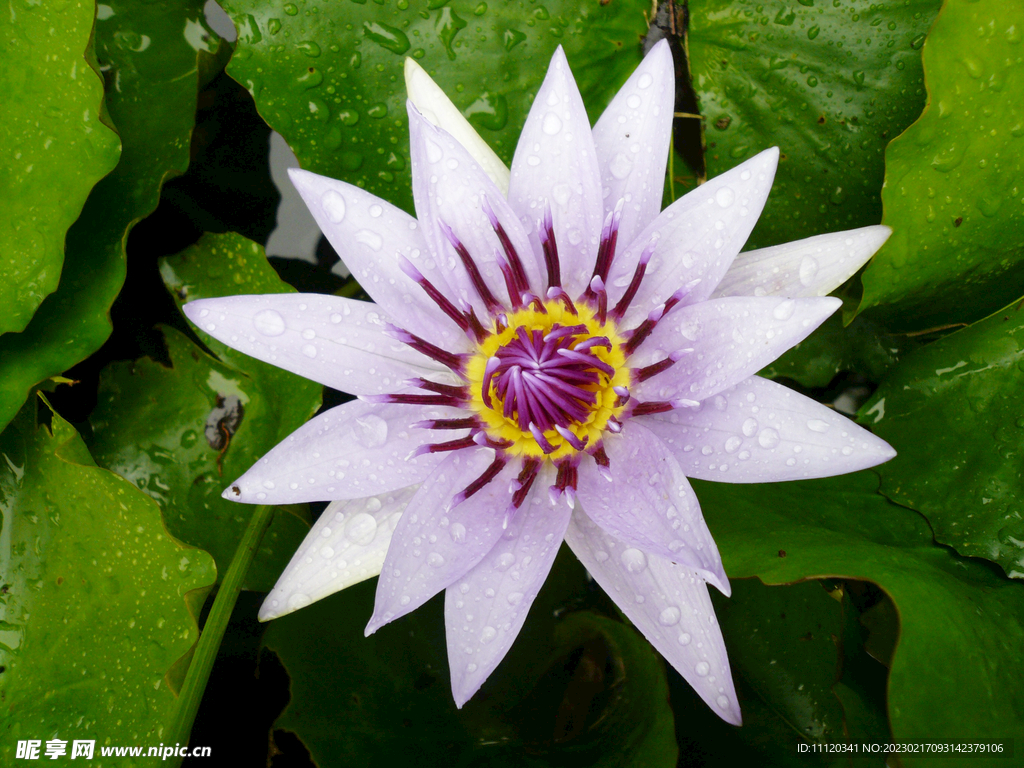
[216,623]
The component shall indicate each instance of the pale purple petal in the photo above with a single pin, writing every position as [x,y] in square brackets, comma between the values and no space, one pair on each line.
[731,340]
[649,503]
[815,266]
[434,545]
[372,236]
[698,236]
[555,165]
[346,545]
[352,451]
[451,189]
[763,432]
[486,608]
[328,339]
[632,141]
[668,603]
[434,105]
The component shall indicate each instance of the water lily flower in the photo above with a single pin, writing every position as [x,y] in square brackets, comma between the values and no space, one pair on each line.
[548,357]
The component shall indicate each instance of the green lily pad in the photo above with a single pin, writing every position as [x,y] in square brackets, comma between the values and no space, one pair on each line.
[956,666]
[954,411]
[56,145]
[829,83]
[328,76]
[181,434]
[579,688]
[98,602]
[953,186]
[148,53]
[863,346]
[783,641]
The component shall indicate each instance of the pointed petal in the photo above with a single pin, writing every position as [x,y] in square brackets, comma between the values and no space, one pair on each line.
[731,340]
[449,187]
[372,236]
[668,603]
[649,503]
[698,235]
[335,341]
[632,141]
[763,432]
[434,546]
[486,608]
[556,164]
[346,545]
[352,451]
[434,105]
[815,266]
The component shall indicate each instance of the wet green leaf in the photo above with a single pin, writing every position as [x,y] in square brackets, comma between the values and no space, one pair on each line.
[56,147]
[829,83]
[958,658]
[148,54]
[577,688]
[183,433]
[953,191]
[954,411]
[783,641]
[328,76]
[98,601]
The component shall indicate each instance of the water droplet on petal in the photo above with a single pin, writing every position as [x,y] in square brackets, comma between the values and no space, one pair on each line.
[514,598]
[369,238]
[371,431]
[458,532]
[435,559]
[333,205]
[723,702]
[298,600]
[551,124]
[702,668]
[749,427]
[309,350]
[361,529]
[505,561]
[620,166]
[732,444]
[808,269]
[725,197]
[634,560]
[817,425]
[784,310]
[645,81]
[684,639]
[633,102]
[669,617]
[487,634]
[768,438]
[269,323]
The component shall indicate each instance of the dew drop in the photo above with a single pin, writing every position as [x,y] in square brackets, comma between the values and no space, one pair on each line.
[371,431]
[645,81]
[333,205]
[309,350]
[361,529]
[817,425]
[808,269]
[327,552]
[702,668]
[514,598]
[620,166]
[458,533]
[298,600]
[487,634]
[369,238]
[732,444]
[684,639]
[634,560]
[669,617]
[505,561]
[435,559]
[749,427]
[551,124]
[634,101]
[269,323]
[768,438]
[723,702]
[784,310]
[434,152]
[725,197]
